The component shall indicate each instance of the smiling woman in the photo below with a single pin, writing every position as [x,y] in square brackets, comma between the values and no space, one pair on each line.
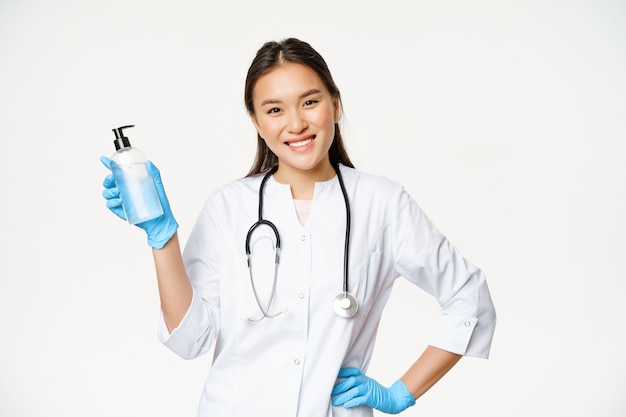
[271,57]
[295,115]
[307,353]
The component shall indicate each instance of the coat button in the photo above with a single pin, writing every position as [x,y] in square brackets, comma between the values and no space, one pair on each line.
[296,362]
[468,324]
[303,238]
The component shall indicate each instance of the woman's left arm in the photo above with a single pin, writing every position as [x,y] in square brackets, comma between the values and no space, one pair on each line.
[428,369]
[425,257]
[355,388]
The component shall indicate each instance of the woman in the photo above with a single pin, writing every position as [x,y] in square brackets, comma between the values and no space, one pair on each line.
[294,327]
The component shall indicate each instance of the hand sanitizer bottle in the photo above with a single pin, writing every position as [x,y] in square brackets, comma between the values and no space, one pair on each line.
[139,196]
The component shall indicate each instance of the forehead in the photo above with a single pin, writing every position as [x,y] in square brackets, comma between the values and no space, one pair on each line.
[286,80]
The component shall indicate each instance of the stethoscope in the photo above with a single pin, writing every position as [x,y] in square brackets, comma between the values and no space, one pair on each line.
[344,304]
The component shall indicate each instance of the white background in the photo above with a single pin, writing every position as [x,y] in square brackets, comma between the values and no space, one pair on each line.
[504,119]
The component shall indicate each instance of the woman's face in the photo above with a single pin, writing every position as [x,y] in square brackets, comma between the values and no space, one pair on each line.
[295,114]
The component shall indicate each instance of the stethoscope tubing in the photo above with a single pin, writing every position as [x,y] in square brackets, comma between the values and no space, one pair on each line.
[261,221]
[346,247]
[345,304]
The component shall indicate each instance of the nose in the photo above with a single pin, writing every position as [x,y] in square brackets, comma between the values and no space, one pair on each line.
[296,122]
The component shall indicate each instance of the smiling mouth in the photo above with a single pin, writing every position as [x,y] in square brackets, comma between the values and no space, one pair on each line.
[300,143]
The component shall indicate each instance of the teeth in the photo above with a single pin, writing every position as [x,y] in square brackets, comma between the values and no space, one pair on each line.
[300,143]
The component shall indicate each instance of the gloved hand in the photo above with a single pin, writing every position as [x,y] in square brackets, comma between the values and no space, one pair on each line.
[159,230]
[357,389]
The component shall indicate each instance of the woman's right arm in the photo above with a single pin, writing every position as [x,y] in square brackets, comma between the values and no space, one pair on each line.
[175,290]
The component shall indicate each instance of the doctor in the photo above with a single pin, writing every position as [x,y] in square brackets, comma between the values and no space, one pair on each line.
[287,271]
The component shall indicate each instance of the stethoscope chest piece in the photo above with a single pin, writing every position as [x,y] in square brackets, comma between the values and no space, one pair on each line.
[345,305]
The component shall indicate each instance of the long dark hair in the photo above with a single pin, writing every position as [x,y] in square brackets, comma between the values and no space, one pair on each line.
[290,50]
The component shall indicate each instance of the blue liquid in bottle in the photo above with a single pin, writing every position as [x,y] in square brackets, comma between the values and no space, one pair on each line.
[139,196]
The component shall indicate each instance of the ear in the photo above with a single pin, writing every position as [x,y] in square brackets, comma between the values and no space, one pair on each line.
[336,109]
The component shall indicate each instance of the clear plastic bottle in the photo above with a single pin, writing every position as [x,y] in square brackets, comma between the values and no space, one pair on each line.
[139,196]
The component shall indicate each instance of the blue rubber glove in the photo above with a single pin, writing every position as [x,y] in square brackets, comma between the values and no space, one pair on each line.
[357,389]
[159,230]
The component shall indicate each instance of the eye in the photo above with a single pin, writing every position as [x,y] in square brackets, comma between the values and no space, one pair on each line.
[310,102]
[273,110]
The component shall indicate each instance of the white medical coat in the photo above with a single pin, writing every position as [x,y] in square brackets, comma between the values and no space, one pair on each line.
[287,366]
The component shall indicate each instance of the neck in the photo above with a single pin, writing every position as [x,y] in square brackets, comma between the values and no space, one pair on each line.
[302,183]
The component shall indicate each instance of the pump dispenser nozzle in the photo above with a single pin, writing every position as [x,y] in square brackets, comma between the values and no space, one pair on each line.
[121,141]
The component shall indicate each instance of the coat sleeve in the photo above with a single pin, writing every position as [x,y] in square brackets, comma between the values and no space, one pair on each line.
[425,257]
[198,330]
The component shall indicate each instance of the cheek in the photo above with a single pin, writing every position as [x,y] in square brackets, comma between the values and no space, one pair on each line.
[266,127]
[272,134]
[328,119]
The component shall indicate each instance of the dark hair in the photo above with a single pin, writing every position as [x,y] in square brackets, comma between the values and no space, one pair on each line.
[290,50]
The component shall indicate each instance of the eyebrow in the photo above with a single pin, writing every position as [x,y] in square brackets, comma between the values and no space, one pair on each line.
[303,95]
